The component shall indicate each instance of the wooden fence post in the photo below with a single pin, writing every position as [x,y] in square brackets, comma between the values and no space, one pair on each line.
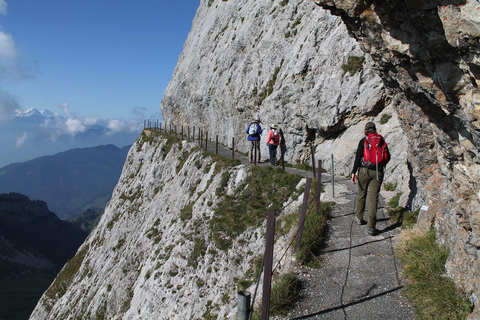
[233,147]
[267,274]
[313,161]
[216,144]
[206,140]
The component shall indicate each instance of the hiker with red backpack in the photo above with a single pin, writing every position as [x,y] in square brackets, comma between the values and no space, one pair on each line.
[371,158]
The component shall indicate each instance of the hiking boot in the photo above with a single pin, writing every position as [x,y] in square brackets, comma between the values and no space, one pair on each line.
[360,221]
[372,231]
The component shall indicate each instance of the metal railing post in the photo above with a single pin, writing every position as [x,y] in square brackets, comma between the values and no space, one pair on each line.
[303,214]
[319,184]
[243,305]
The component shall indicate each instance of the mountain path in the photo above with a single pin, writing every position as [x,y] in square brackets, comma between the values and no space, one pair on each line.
[359,274]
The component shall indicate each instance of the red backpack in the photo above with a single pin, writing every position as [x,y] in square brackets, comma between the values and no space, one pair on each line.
[375,152]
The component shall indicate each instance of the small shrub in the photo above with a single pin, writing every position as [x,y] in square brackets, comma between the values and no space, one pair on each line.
[385,117]
[186,213]
[390,186]
[285,292]
[284,3]
[313,231]
[393,203]
[353,65]
[197,252]
[410,218]
[223,183]
[225,298]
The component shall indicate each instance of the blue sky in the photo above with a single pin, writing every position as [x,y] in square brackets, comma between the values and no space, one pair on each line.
[101,58]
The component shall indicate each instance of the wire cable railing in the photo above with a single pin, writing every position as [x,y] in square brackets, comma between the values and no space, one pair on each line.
[307,209]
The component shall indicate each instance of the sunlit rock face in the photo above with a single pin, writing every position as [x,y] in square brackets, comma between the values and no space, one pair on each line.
[289,63]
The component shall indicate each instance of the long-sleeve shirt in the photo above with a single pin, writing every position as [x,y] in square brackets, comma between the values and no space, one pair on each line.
[273,137]
[359,156]
[254,137]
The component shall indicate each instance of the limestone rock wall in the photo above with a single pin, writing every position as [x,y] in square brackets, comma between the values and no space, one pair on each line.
[141,261]
[428,54]
[279,61]
[282,61]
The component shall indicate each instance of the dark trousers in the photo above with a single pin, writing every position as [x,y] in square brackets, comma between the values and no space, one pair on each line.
[368,191]
[254,144]
[272,149]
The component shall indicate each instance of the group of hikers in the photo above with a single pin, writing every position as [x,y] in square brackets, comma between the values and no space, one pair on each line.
[371,157]
[275,138]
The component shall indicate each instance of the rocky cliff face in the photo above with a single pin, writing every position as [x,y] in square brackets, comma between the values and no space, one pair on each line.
[282,61]
[428,54]
[152,255]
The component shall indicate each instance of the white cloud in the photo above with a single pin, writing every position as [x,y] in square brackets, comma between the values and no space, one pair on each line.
[67,111]
[116,126]
[11,64]
[89,121]
[74,126]
[21,140]
[8,105]
[3,7]
[8,50]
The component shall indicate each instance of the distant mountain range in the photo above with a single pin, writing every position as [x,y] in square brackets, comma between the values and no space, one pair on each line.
[34,246]
[34,237]
[33,133]
[69,182]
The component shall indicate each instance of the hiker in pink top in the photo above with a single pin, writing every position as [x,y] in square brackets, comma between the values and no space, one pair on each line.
[273,140]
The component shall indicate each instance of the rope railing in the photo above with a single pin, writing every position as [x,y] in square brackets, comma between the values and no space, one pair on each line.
[267,261]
